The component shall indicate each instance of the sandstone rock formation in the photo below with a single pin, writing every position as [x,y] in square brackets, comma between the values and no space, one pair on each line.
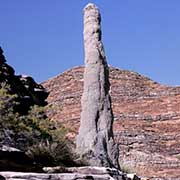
[83,173]
[92,170]
[95,141]
[146,118]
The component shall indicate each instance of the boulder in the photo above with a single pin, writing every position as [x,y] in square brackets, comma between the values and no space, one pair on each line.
[13,159]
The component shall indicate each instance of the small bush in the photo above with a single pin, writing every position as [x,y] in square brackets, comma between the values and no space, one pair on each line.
[33,133]
[52,154]
[126,169]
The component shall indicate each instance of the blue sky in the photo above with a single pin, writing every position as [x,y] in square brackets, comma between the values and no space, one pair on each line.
[44,38]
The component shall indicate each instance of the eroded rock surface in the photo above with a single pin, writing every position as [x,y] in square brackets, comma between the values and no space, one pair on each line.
[95,141]
[147,119]
[74,173]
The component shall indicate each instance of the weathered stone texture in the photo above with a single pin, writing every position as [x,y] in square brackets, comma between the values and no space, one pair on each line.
[95,141]
[147,118]
[74,173]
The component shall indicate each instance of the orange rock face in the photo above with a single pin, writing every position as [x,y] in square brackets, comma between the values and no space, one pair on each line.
[146,119]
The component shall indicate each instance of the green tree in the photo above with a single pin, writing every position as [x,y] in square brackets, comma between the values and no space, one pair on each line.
[33,133]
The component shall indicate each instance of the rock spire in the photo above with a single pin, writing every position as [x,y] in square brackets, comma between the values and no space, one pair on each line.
[95,141]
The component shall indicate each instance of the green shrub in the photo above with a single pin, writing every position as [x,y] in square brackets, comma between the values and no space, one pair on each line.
[52,153]
[126,168]
[33,133]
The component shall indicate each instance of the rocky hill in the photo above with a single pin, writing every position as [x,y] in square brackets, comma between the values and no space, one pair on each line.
[27,90]
[146,113]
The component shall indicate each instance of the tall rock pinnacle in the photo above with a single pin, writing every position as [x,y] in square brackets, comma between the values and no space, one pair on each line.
[95,141]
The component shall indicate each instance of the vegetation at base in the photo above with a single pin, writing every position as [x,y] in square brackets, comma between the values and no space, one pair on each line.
[33,133]
[126,168]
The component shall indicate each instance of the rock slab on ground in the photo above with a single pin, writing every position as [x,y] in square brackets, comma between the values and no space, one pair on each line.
[13,159]
[74,173]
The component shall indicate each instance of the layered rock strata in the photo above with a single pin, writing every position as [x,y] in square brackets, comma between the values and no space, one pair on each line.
[146,119]
[95,141]
[83,173]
